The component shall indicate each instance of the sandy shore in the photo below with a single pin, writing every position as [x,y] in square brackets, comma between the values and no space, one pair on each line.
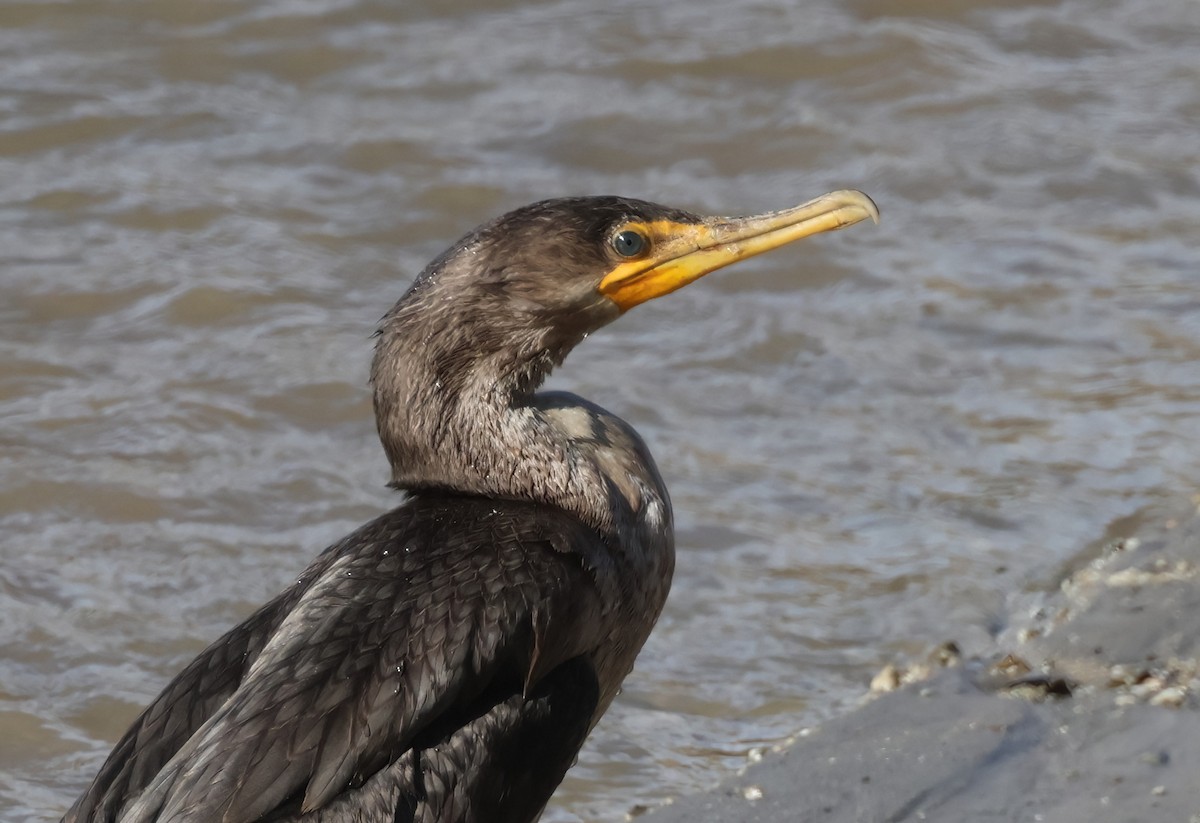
[1085,708]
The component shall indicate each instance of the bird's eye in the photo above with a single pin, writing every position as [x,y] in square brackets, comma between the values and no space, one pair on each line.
[629,243]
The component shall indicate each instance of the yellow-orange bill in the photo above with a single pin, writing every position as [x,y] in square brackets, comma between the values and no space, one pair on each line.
[680,253]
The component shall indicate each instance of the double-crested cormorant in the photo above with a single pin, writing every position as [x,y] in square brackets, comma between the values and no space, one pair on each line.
[446,661]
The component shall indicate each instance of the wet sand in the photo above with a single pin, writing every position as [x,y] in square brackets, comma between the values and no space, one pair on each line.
[1083,708]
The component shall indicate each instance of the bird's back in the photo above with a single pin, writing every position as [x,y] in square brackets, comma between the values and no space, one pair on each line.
[438,663]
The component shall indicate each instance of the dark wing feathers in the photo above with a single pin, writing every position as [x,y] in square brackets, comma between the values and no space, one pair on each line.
[176,714]
[397,633]
[515,755]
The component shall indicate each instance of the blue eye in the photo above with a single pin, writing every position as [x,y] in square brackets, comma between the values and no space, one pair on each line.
[629,243]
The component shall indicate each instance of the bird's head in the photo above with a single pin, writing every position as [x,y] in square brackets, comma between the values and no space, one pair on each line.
[534,282]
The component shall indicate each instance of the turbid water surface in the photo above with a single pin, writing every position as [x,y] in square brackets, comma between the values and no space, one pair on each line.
[872,439]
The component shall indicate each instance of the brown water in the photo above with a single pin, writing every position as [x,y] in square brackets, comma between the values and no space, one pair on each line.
[874,441]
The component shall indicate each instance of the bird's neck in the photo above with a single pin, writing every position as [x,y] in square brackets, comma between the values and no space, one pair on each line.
[476,426]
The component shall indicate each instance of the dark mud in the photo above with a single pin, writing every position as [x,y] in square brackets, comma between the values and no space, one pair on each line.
[1082,709]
